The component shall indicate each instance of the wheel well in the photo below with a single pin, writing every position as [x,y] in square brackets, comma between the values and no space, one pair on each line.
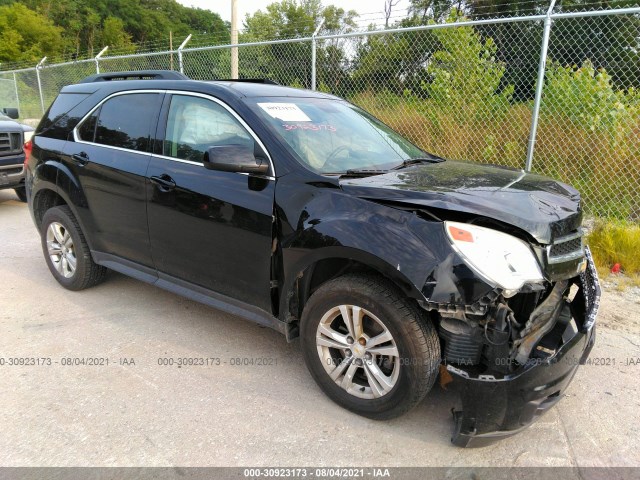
[317,274]
[43,201]
[330,268]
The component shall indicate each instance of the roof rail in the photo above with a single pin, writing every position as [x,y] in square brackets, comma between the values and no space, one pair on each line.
[248,80]
[139,75]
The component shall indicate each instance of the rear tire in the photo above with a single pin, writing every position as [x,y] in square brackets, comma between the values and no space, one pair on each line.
[391,365]
[66,251]
[21,192]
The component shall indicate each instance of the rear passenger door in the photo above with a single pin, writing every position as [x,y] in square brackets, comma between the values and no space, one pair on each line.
[209,228]
[110,157]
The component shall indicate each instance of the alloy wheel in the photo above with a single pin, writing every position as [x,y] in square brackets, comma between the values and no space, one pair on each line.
[61,249]
[358,351]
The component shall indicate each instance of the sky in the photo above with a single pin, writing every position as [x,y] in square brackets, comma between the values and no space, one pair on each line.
[368,8]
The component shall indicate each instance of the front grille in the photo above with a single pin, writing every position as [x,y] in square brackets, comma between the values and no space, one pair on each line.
[10,143]
[11,171]
[5,142]
[567,248]
[590,290]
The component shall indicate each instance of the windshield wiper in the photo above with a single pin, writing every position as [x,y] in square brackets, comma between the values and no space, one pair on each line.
[363,172]
[414,161]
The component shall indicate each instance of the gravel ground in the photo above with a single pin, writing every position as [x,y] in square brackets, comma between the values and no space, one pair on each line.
[621,307]
[144,414]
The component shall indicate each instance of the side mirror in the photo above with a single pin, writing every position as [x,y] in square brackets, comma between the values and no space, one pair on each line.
[235,158]
[11,112]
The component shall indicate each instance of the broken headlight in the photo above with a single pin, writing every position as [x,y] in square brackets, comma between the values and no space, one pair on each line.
[502,259]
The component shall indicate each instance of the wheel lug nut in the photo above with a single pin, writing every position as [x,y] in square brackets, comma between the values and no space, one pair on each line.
[367,356]
[358,362]
[350,340]
[362,341]
[348,353]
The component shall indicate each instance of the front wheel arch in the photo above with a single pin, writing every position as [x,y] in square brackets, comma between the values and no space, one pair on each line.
[322,269]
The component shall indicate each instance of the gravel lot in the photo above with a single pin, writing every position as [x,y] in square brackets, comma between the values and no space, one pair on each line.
[144,414]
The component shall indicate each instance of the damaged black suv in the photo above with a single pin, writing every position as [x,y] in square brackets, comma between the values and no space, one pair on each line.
[300,211]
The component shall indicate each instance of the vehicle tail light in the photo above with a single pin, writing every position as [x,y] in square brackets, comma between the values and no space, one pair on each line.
[28,146]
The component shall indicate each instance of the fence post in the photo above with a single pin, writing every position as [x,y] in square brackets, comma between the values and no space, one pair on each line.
[15,86]
[234,39]
[97,57]
[539,86]
[313,55]
[38,67]
[180,64]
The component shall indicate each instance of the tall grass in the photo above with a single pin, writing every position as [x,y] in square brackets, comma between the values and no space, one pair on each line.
[604,168]
[588,134]
[616,242]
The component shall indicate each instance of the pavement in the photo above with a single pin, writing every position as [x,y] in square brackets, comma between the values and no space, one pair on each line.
[258,406]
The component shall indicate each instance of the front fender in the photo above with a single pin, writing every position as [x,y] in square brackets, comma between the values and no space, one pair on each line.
[395,253]
[410,250]
[336,226]
[298,262]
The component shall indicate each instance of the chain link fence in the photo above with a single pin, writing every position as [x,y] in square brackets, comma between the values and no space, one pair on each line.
[466,90]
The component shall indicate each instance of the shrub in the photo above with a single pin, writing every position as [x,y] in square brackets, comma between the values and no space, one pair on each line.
[467,76]
[587,98]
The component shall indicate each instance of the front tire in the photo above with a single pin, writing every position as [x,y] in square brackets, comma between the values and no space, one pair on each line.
[21,192]
[66,251]
[370,349]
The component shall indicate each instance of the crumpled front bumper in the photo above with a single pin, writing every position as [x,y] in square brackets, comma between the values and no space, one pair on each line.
[494,408]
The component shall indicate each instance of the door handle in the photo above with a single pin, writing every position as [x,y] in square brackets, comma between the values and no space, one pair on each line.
[164,182]
[81,158]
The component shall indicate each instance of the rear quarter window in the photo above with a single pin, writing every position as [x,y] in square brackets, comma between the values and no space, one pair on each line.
[87,130]
[58,120]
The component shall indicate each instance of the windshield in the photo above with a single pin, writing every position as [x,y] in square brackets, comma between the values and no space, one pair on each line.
[331,136]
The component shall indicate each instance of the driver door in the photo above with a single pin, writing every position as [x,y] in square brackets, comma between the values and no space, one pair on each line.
[209,228]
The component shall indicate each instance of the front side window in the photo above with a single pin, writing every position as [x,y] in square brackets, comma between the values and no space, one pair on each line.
[125,121]
[194,124]
[331,136]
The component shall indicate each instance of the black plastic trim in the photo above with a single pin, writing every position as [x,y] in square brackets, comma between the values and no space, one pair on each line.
[189,290]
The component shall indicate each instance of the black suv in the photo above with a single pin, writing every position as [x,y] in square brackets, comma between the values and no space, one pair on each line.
[300,211]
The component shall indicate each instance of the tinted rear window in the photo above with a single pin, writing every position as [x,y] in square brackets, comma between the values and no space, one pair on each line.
[56,122]
[125,121]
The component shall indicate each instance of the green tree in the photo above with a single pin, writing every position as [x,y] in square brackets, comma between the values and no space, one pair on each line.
[423,11]
[26,35]
[114,35]
[10,45]
[609,42]
[466,75]
[290,63]
[396,62]
[144,21]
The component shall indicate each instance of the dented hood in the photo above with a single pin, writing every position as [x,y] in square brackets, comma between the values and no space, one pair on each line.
[544,208]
